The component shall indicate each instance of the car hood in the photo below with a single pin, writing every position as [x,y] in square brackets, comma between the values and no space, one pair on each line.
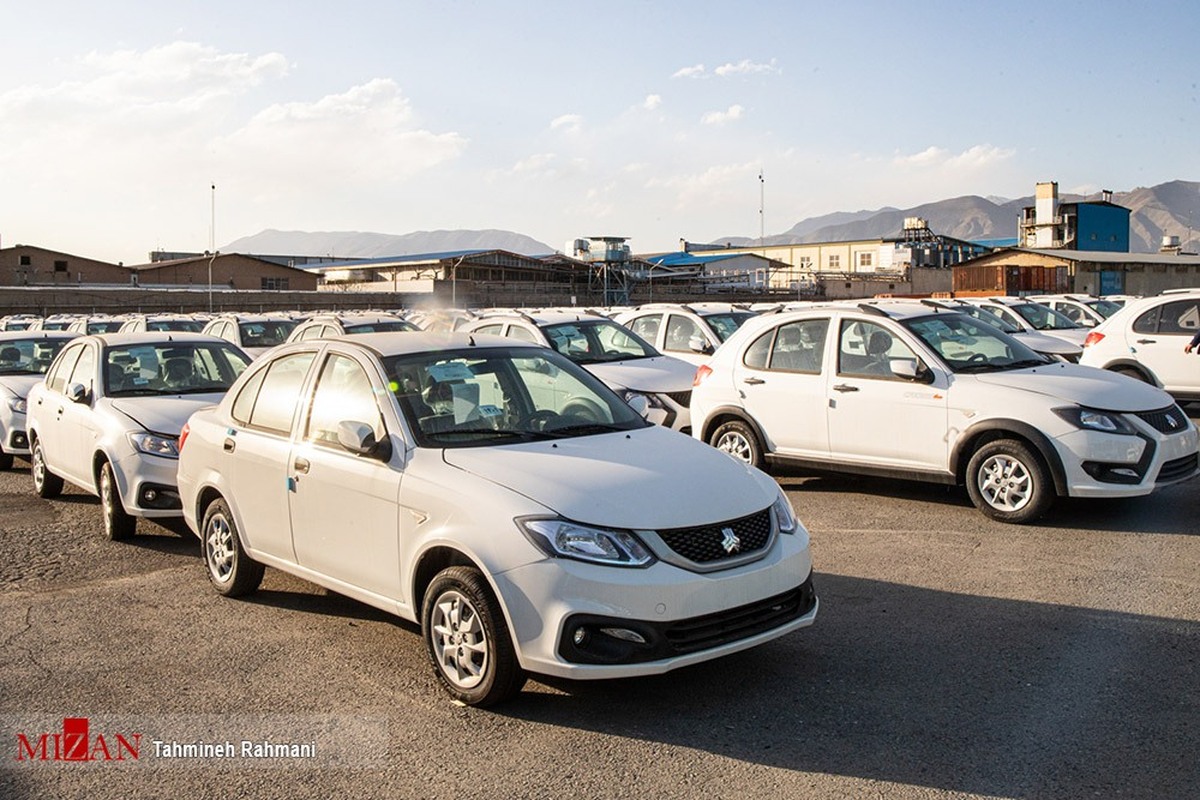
[20,384]
[646,478]
[1041,343]
[164,414]
[1085,386]
[658,374]
[1075,336]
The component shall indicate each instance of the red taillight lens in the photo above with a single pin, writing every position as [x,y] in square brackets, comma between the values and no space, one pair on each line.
[1093,337]
[183,434]
[701,374]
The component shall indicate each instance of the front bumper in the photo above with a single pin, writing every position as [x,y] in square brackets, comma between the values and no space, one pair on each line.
[673,609]
[148,485]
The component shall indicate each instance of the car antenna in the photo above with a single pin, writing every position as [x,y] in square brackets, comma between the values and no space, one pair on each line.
[471,339]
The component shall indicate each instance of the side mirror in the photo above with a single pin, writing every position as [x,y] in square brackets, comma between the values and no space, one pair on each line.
[640,404]
[910,369]
[359,438]
[698,344]
[77,393]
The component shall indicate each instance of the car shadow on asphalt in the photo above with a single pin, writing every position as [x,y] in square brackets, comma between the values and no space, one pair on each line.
[954,692]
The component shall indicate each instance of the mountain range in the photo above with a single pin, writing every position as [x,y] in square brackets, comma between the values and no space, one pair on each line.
[1167,209]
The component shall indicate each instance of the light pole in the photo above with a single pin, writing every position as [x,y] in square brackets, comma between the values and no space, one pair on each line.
[212,243]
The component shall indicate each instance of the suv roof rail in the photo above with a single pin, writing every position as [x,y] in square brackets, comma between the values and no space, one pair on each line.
[872,309]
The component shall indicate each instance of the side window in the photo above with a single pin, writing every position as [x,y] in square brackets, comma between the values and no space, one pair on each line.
[647,326]
[1006,315]
[56,379]
[84,370]
[522,333]
[1072,313]
[1181,316]
[343,393]
[280,392]
[866,349]
[1148,321]
[311,332]
[243,404]
[680,330]
[799,347]
[757,353]
[494,330]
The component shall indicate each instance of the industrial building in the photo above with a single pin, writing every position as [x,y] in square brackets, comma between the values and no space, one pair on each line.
[1018,271]
[1085,225]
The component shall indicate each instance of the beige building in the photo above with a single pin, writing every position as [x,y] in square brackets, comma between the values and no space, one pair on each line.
[226,271]
[1017,271]
[25,265]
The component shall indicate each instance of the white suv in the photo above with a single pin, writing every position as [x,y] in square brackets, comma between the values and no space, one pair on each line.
[914,392]
[1145,340]
[109,413]
[449,479]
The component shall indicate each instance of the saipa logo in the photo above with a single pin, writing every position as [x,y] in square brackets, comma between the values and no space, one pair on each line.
[76,743]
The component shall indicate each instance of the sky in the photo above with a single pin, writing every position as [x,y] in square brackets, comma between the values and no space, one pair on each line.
[563,119]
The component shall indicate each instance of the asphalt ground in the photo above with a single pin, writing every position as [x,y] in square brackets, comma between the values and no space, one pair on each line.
[952,657]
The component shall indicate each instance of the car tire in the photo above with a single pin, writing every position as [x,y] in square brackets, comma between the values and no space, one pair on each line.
[45,482]
[231,571]
[739,440]
[118,524]
[1133,372]
[468,640]
[1009,482]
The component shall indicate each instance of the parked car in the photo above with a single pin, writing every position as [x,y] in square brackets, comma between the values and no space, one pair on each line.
[450,480]
[109,414]
[691,332]
[325,325]
[24,358]
[622,359]
[254,333]
[142,323]
[1033,316]
[96,324]
[1145,340]
[1038,342]
[1082,309]
[916,392]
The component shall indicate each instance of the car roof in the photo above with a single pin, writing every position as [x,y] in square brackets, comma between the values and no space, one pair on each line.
[549,317]
[153,337]
[397,343]
[9,336]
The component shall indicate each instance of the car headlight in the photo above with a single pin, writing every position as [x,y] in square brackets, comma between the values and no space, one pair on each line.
[155,444]
[1089,419]
[564,539]
[17,404]
[651,399]
[785,517]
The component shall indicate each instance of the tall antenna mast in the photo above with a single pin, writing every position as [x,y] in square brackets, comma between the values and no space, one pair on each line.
[761,198]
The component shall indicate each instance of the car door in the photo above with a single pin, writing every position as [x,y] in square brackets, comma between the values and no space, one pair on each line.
[1158,337]
[875,417]
[649,327]
[79,424]
[782,384]
[258,445]
[344,506]
[50,406]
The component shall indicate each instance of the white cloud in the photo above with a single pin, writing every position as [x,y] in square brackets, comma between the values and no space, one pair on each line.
[714,186]
[721,117]
[652,102]
[696,71]
[745,67]
[571,123]
[977,157]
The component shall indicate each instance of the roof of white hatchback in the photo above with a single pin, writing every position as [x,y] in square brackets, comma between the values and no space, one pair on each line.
[553,317]
[407,343]
[153,337]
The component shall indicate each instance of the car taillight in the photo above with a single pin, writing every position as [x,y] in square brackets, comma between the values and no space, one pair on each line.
[1093,337]
[701,374]
[183,434]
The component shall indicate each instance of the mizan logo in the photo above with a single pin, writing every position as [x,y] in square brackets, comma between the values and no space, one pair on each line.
[730,542]
[75,743]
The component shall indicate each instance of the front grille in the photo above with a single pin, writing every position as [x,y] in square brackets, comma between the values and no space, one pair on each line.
[714,630]
[706,543]
[682,398]
[1165,420]
[1179,468]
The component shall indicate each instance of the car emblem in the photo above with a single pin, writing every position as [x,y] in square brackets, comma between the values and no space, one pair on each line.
[1171,421]
[731,542]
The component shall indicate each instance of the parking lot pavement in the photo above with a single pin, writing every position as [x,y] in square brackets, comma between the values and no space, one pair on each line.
[953,656]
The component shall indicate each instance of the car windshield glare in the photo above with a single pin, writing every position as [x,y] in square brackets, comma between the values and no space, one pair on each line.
[28,356]
[969,346]
[494,396]
[597,341]
[169,368]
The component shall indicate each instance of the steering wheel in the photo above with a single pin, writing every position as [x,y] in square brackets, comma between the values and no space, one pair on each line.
[977,358]
[541,416]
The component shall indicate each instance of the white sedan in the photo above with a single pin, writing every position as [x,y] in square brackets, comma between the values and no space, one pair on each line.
[24,358]
[109,414]
[445,478]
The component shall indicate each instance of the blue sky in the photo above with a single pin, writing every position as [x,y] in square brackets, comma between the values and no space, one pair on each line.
[565,119]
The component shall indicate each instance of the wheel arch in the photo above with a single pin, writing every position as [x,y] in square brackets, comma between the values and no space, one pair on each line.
[988,431]
[1137,366]
[433,561]
[723,414]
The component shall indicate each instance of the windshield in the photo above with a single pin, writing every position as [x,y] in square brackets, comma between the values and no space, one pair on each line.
[724,325]
[168,368]
[186,325]
[28,356]
[487,396]
[988,318]
[1043,318]
[266,334]
[597,341]
[104,325]
[966,345]
[383,326]
[1105,308]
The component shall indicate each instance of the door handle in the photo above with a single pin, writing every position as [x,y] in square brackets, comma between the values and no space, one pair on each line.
[1147,341]
[753,381]
[229,446]
[845,387]
[301,465]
